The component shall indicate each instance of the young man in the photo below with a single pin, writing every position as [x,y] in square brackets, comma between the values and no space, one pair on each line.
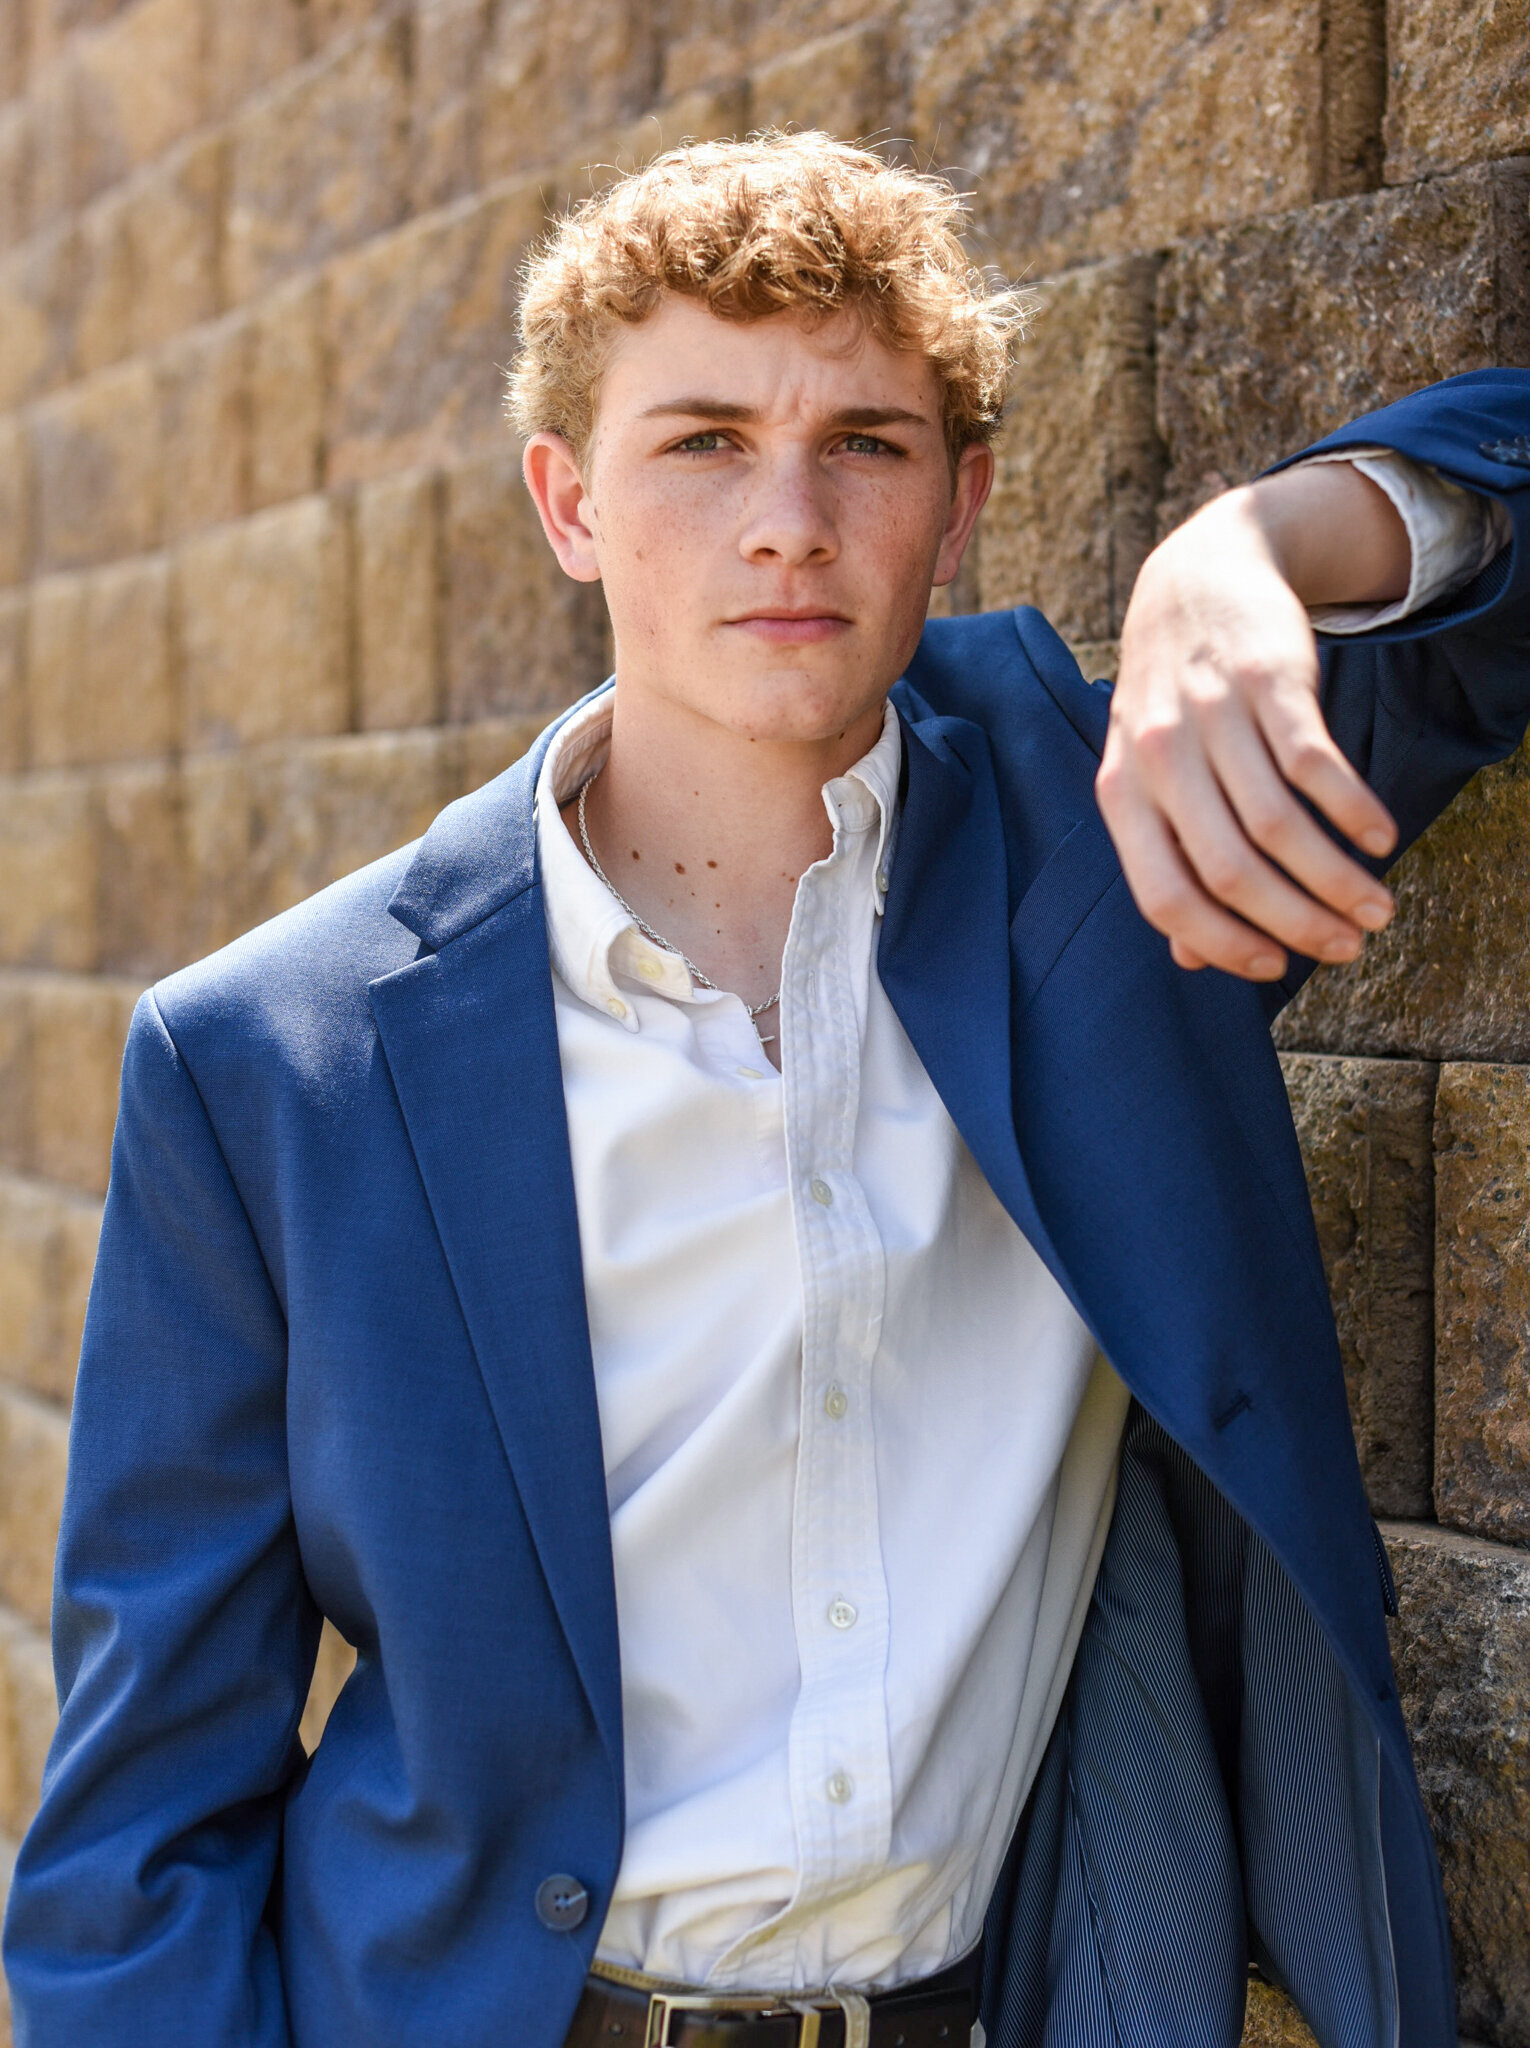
[644,1260]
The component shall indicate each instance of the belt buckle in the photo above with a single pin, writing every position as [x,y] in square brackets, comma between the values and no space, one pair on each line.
[663,2005]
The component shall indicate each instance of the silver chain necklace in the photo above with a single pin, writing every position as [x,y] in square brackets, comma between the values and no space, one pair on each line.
[668,945]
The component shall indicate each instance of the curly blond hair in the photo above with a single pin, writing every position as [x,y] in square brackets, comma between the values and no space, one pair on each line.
[780,223]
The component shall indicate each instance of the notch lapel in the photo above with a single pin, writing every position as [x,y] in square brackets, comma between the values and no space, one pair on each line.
[470,1037]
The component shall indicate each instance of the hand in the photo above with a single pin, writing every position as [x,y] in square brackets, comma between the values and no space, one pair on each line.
[1215,723]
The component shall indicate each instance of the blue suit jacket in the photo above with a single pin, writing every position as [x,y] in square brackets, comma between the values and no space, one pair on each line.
[337,1363]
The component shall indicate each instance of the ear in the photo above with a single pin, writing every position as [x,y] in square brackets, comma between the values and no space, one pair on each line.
[563,505]
[974,480]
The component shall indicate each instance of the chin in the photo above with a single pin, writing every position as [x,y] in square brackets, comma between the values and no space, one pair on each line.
[788,706]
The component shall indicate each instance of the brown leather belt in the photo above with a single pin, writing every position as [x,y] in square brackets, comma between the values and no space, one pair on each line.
[935,2013]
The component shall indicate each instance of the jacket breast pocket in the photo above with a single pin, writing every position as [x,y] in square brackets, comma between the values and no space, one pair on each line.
[1078,872]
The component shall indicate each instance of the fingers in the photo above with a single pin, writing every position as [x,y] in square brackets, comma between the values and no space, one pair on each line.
[1309,758]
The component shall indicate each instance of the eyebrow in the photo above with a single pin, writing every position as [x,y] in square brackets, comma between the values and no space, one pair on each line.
[853,417]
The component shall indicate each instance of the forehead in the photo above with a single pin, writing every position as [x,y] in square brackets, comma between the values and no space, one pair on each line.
[784,366]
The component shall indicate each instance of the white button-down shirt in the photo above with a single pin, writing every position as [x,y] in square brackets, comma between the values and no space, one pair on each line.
[859,1448]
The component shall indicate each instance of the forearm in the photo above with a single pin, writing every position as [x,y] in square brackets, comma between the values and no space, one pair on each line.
[1330,533]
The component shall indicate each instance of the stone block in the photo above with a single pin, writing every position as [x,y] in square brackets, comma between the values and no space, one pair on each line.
[103,328]
[838,82]
[1482,1283]
[1094,130]
[99,680]
[39,290]
[204,384]
[1366,1131]
[221,825]
[15,503]
[248,47]
[141,86]
[15,1072]
[1273,333]
[28,1717]
[334,1665]
[54,96]
[520,635]
[47,1253]
[1455,85]
[95,453]
[141,899]
[79,1025]
[1270,2020]
[174,232]
[556,75]
[489,747]
[419,322]
[48,860]
[48,24]
[34,1438]
[263,609]
[1447,978]
[707,114]
[450,37]
[1462,1650]
[321,162]
[398,601]
[14,610]
[287,393]
[706,45]
[1079,463]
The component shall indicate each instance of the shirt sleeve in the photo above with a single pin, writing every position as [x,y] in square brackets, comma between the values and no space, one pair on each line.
[1453,534]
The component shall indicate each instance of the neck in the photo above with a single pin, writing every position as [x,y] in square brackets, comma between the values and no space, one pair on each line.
[706,831]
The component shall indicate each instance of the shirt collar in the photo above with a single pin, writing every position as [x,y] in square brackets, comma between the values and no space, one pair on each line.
[592,940]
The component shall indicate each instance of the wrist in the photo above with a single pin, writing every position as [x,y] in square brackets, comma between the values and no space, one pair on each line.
[1332,535]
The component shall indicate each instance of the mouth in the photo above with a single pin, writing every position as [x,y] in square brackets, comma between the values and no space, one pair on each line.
[790,624]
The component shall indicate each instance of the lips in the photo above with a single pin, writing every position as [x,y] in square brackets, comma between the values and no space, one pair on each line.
[780,624]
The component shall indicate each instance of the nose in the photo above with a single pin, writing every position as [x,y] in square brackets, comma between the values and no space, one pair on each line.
[790,516]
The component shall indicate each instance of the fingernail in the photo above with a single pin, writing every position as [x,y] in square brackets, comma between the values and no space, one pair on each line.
[1341,949]
[1373,915]
[1377,841]
[1266,964]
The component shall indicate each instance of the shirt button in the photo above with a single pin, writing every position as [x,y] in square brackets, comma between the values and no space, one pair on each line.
[649,968]
[881,881]
[749,1073]
[821,1192]
[840,1789]
[836,1404]
[842,1614]
[562,1903]
[616,1006]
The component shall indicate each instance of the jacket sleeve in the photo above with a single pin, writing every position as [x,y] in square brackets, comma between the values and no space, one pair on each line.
[1421,704]
[184,1635]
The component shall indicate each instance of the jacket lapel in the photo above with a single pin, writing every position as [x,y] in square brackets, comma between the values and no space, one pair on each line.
[470,1037]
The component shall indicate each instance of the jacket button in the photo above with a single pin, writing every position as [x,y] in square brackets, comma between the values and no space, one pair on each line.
[562,1903]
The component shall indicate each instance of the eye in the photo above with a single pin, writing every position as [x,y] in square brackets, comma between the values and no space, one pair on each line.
[707,442]
[868,444]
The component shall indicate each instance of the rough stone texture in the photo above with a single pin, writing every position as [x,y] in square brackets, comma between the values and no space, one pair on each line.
[418,322]
[78,1026]
[48,856]
[1071,519]
[99,686]
[450,37]
[287,393]
[399,572]
[1455,84]
[47,1248]
[38,291]
[249,46]
[142,863]
[1098,128]
[838,82]
[15,503]
[103,322]
[263,609]
[1366,1130]
[1273,333]
[174,228]
[140,86]
[557,75]
[1462,1649]
[321,162]
[1482,1292]
[95,451]
[1272,2021]
[34,1439]
[204,382]
[1447,978]
[28,1716]
[500,576]
[14,609]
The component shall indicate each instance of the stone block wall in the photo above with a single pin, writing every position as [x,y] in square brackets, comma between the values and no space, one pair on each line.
[271,595]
